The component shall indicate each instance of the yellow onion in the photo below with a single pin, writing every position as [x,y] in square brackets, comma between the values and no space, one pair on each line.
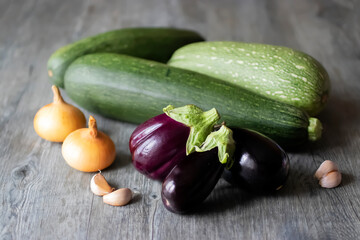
[56,120]
[88,149]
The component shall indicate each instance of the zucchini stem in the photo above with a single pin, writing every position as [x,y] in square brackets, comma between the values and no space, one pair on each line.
[314,129]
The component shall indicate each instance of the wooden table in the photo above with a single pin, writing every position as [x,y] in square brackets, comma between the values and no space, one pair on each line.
[41,197]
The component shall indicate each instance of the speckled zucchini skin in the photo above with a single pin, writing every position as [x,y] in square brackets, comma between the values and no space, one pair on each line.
[279,73]
[134,90]
[151,43]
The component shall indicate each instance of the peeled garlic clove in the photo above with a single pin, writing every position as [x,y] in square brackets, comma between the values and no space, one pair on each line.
[119,197]
[326,167]
[330,180]
[99,186]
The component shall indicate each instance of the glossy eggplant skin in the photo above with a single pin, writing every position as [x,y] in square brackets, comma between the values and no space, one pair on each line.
[158,145]
[260,164]
[191,181]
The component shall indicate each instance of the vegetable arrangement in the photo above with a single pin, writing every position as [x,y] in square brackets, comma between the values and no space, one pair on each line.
[84,149]
[134,90]
[259,162]
[266,95]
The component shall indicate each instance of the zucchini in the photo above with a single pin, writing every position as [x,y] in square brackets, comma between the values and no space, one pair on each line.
[133,89]
[279,73]
[151,43]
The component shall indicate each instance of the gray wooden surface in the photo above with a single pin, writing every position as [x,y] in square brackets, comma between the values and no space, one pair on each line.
[43,198]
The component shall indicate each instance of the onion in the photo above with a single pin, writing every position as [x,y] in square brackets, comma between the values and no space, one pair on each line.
[88,149]
[56,120]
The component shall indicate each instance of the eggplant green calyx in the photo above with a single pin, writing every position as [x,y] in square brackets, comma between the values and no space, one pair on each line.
[223,140]
[314,129]
[201,123]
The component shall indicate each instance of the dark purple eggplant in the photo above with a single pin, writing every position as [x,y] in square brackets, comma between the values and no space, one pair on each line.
[194,177]
[260,164]
[191,181]
[161,142]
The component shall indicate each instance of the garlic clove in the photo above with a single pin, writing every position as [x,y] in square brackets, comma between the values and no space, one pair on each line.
[119,197]
[330,180]
[99,186]
[326,167]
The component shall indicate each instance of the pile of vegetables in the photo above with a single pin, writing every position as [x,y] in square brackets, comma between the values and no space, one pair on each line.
[181,149]
[268,96]
[276,72]
[84,149]
[114,74]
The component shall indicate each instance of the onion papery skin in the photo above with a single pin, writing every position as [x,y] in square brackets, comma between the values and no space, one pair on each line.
[55,121]
[87,153]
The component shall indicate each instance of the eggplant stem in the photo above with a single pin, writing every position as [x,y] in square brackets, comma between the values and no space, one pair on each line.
[314,129]
[201,123]
[218,126]
[223,140]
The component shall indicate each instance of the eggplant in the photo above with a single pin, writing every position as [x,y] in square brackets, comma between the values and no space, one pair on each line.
[155,148]
[260,164]
[191,181]
[193,178]
[161,142]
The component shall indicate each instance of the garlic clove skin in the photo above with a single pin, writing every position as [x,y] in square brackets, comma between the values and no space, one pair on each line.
[99,186]
[330,180]
[119,197]
[328,174]
[326,167]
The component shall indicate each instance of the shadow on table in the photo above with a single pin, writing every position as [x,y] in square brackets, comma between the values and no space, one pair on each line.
[122,159]
[226,197]
[137,196]
[346,179]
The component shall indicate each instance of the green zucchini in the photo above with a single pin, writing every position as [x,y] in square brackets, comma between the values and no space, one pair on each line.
[279,73]
[151,43]
[133,89]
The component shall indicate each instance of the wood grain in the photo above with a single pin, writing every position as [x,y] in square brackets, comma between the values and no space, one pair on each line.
[42,198]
